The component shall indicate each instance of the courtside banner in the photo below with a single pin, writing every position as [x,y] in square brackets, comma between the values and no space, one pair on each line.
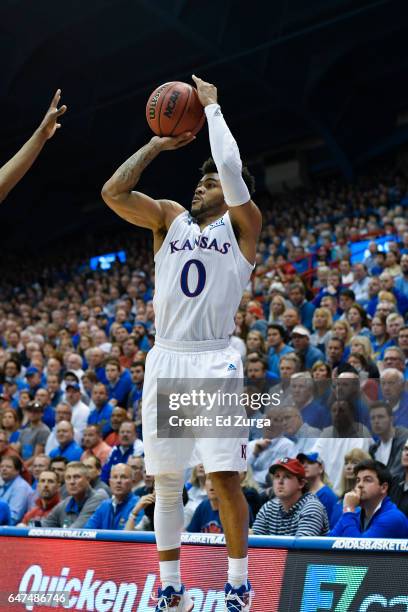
[344,582]
[115,576]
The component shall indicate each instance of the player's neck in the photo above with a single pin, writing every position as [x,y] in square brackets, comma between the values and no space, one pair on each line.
[208,219]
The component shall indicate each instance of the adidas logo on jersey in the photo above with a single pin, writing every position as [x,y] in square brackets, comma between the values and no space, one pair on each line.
[217,223]
[231,367]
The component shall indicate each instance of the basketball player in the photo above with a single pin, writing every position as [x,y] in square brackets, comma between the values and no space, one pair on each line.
[17,166]
[194,321]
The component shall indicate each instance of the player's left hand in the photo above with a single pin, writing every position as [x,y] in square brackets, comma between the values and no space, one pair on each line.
[207,92]
[50,124]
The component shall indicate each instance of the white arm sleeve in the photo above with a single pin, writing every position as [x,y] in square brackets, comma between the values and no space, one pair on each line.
[226,156]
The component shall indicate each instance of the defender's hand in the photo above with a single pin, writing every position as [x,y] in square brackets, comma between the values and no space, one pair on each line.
[207,92]
[169,143]
[49,124]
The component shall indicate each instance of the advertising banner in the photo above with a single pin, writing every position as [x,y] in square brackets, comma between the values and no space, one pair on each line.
[121,576]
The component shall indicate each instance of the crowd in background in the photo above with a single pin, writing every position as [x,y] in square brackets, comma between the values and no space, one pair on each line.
[325,333]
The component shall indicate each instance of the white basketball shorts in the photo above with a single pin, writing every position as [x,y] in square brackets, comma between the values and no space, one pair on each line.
[196,360]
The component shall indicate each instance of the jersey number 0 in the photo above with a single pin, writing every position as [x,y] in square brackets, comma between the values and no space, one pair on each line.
[201,277]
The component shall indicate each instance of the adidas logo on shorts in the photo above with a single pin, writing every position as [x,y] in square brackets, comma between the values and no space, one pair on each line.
[231,367]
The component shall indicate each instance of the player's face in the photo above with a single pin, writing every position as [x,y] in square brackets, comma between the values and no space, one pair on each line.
[208,196]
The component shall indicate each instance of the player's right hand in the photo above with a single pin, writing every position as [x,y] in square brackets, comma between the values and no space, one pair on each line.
[169,143]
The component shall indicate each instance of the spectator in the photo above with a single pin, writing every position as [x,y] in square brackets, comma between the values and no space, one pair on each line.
[379,337]
[95,470]
[250,490]
[403,346]
[137,466]
[313,412]
[15,491]
[348,479]
[10,423]
[290,319]
[322,324]
[5,516]
[346,299]
[102,412]
[129,445]
[317,480]
[67,447]
[360,284]
[33,376]
[394,358]
[53,388]
[335,352]
[301,434]
[368,512]
[399,487]
[33,437]
[94,445]
[401,281]
[43,397]
[293,511]
[392,389]
[48,497]
[81,502]
[113,513]
[197,492]
[390,440]
[297,296]
[338,439]
[277,347]
[119,382]
[40,464]
[137,371]
[80,411]
[119,415]
[264,451]
[145,504]
[307,354]
[63,412]
[206,517]
[255,318]
[59,466]
[357,319]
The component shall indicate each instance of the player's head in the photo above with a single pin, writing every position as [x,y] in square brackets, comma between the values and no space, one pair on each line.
[208,197]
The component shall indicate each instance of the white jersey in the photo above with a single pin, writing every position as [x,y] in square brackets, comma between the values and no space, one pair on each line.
[200,278]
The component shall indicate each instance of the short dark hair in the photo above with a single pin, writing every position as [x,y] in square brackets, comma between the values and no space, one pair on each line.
[59,459]
[136,364]
[16,461]
[383,473]
[381,404]
[209,167]
[280,329]
[97,461]
[348,293]
[337,339]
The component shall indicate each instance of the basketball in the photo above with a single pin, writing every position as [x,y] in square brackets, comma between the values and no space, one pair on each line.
[174,108]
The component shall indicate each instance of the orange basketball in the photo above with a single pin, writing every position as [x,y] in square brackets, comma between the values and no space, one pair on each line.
[174,108]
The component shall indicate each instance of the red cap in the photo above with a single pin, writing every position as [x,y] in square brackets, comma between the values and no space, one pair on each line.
[256,309]
[291,465]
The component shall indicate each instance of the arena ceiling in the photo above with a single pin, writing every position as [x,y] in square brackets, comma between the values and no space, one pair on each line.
[286,70]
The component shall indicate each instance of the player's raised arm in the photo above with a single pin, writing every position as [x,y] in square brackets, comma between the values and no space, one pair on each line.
[15,169]
[244,214]
[136,207]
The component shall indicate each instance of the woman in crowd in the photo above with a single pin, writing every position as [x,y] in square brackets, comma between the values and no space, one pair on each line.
[357,318]
[322,324]
[251,491]
[321,374]
[362,346]
[379,337]
[277,308]
[367,385]
[196,492]
[255,342]
[341,329]
[348,479]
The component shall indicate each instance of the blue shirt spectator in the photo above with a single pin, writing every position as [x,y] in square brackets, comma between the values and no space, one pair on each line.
[205,519]
[15,491]
[129,446]
[113,513]
[102,411]
[5,516]
[368,512]
[119,383]
[306,309]
[67,447]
